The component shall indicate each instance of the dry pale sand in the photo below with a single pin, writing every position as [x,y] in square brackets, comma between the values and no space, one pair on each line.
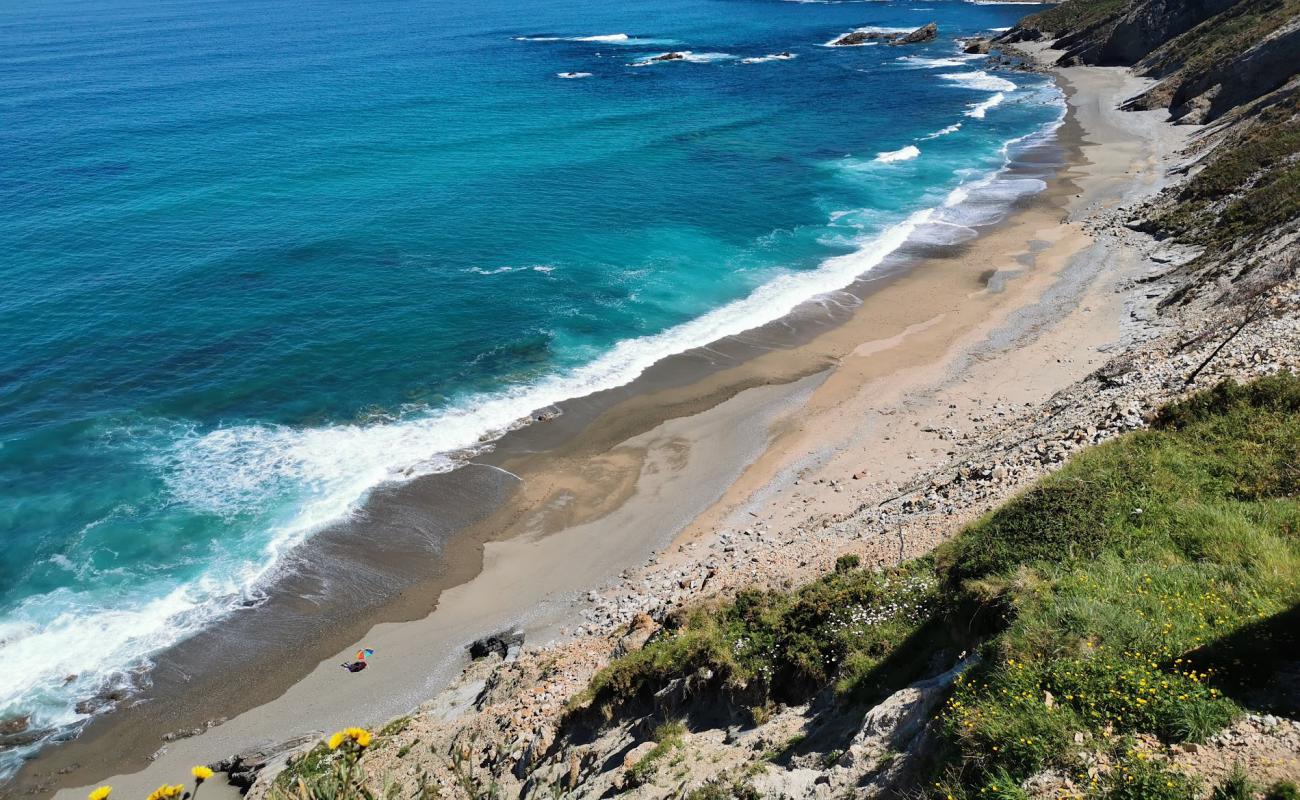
[1023,312]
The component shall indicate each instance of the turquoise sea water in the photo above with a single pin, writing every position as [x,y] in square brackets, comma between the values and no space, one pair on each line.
[260,257]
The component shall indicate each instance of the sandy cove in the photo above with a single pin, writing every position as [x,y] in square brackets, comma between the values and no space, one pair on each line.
[760,486]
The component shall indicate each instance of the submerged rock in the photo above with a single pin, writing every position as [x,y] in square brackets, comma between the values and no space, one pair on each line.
[101,699]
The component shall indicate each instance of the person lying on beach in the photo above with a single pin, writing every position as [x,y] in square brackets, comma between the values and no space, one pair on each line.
[355,666]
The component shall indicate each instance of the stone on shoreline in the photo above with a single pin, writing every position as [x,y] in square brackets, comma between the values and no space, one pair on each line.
[502,644]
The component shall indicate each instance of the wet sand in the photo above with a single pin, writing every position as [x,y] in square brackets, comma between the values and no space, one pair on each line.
[610,483]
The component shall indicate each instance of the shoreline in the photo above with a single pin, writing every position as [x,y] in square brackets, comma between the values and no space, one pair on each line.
[884,342]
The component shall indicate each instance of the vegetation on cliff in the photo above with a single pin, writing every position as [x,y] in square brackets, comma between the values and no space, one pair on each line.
[1148,592]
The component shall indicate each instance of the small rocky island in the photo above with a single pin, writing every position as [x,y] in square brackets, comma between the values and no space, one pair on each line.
[924,33]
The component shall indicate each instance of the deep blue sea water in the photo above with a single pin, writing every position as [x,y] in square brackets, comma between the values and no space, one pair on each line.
[258,257]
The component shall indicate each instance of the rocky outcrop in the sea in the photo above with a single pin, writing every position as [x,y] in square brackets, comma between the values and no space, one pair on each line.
[979,46]
[924,33]
[673,56]
[856,38]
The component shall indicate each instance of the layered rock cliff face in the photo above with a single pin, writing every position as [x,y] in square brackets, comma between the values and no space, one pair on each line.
[1209,56]
[1232,67]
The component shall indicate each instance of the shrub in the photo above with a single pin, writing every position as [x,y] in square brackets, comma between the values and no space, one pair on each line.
[1237,786]
[1283,790]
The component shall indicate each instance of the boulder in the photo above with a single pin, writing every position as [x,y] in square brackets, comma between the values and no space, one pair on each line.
[639,631]
[979,46]
[924,33]
[673,56]
[500,644]
[243,769]
[14,724]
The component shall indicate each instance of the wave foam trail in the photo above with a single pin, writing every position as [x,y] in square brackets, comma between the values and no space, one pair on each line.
[686,56]
[907,153]
[978,110]
[979,79]
[765,59]
[611,38]
[920,62]
[942,132]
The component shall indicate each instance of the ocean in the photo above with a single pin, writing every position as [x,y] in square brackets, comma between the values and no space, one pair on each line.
[260,258]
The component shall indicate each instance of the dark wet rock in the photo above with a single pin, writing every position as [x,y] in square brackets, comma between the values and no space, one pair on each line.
[854,38]
[925,33]
[102,699]
[673,56]
[977,46]
[17,732]
[498,643]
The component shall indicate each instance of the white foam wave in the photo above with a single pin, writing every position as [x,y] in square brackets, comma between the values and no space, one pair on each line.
[686,56]
[956,126]
[978,110]
[545,268]
[611,38]
[919,62]
[772,57]
[907,153]
[979,79]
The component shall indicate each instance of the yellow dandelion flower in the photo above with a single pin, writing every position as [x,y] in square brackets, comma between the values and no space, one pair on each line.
[201,773]
[100,794]
[358,736]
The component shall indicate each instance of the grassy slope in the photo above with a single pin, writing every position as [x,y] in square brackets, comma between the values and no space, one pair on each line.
[1075,15]
[1249,185]
[1125,586]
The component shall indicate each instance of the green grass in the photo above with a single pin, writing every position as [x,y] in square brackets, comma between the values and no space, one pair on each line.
[667,737]
[767,647]
[1109,598]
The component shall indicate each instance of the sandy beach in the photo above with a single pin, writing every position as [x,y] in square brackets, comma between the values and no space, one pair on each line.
[772,432]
